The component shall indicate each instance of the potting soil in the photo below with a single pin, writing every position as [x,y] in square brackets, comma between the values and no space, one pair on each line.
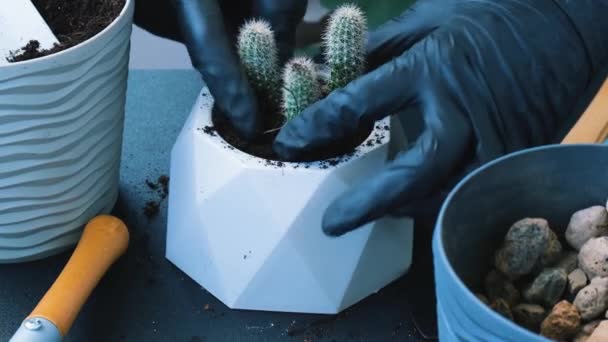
[72,22]
[262,146]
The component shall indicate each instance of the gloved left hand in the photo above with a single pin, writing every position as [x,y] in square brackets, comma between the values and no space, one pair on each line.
[490,77]
[208,28]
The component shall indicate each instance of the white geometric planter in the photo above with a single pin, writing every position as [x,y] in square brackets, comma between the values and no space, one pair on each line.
[250,233]
[61,126]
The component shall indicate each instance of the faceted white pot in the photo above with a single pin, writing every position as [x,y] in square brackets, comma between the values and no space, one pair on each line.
[61,126]
[249,230]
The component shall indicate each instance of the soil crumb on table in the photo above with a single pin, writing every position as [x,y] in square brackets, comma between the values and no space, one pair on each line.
[72,22]
[151,209]
[161,189]
[163,181]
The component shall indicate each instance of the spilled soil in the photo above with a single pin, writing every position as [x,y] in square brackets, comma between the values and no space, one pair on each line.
[161,188]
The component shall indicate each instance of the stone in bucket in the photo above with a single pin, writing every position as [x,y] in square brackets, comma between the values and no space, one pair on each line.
[557,297]
[533,194]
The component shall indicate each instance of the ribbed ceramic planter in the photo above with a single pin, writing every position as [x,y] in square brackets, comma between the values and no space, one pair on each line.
[61,126]
[249,230]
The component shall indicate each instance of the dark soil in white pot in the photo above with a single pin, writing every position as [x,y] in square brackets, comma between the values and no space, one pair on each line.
[262,146]
[72,22]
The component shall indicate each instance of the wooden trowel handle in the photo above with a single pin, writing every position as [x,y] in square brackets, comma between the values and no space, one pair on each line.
[592,127]
[104,240]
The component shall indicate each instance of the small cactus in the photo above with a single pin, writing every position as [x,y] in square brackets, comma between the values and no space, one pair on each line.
[344,43]
[258,53]
[301,83]
[300,86]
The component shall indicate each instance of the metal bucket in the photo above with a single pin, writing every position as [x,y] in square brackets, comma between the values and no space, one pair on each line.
[551,182]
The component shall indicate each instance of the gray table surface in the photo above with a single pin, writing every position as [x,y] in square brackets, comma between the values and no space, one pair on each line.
[144,297]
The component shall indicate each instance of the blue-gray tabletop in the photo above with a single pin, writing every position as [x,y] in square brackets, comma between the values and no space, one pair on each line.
[144,297]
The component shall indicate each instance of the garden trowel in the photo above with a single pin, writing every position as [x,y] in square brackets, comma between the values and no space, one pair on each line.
[20,23]
[103,241]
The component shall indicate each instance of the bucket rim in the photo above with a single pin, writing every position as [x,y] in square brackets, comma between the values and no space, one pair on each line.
[438,246]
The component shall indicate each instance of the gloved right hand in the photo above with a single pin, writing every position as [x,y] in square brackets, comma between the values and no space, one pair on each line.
[489,77]
[209,28]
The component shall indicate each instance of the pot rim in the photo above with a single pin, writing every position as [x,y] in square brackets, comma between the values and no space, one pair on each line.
[206,102]
[117,21]
[438,246]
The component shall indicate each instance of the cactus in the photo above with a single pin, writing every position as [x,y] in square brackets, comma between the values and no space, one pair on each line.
[344,42]
[300,86]
[258,53]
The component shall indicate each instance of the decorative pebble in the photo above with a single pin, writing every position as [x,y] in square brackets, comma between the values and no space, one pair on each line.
[533,268]
[592,300]
[523,246]
[588,328]
[483,298]
[529,316]
[562,323]
[593,257]
[502,307]
[600,334]
[552,252]
[586,331]
[499,286]
[568,261]
[547,288]
[576,281]
[586,224]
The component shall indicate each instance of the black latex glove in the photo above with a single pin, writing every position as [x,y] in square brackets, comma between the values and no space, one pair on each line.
[489,76]
[208,28]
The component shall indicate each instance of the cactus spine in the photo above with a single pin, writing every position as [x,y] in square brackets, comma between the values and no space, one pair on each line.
[300,86]
[258,53]
[344,43]
[301,83]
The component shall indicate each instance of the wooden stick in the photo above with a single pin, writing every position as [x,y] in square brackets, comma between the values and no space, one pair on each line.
[592,126]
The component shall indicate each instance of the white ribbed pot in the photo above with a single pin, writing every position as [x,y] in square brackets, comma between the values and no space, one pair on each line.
[61,126]
[249,230]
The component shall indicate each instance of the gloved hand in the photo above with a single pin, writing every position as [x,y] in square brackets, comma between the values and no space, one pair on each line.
[489,76]
[208,28]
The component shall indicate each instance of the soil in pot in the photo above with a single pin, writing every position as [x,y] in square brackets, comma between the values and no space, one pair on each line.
[72,22]
[262,146]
